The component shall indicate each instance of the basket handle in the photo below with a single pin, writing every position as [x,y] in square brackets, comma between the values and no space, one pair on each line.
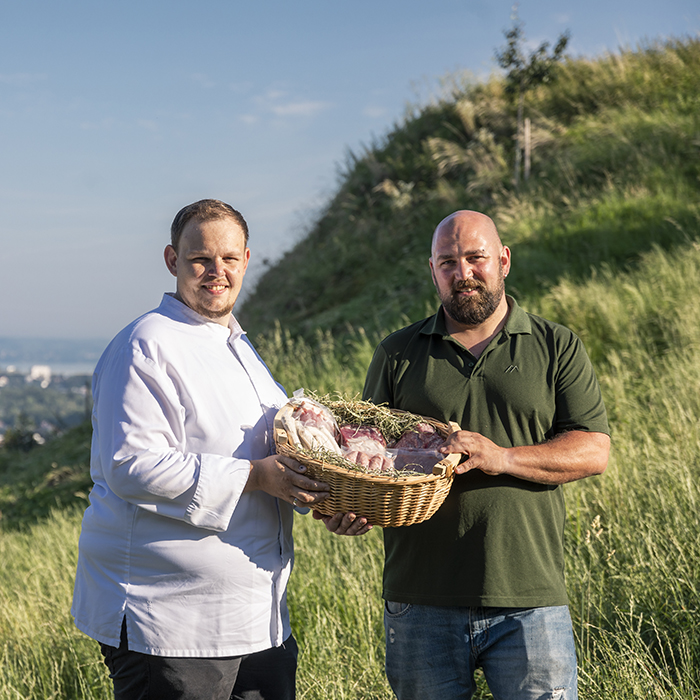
[446,466]
[281,436]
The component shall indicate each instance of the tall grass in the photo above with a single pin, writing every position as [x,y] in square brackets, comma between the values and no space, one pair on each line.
[336,614]
[326,365]
[42,654]
[633,552]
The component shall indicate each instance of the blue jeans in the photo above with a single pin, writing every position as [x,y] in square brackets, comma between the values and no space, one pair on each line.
[525,653]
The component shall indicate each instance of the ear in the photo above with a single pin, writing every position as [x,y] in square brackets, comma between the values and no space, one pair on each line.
[170,255]
[505,260]
[432,271]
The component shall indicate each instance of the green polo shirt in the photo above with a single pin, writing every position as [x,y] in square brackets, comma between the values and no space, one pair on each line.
[496,540]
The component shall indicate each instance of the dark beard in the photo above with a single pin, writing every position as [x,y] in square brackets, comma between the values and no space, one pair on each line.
[472,311]
[211,314]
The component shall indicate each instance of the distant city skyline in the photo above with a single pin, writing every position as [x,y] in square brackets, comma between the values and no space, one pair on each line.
[62,369]
[64,357]
[115,115]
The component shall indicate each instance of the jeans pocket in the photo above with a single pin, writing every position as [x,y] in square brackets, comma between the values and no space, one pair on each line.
[393,608]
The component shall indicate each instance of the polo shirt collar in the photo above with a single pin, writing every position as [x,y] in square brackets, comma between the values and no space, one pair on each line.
[518,321]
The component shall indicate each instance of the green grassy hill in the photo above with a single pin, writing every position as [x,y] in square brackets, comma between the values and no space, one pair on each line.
[615,171]
[605,238]
[54,476]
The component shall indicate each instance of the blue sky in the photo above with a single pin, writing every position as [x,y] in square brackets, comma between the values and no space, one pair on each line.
[113,115]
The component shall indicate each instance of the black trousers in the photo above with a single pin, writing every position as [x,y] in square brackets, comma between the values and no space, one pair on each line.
[266,675]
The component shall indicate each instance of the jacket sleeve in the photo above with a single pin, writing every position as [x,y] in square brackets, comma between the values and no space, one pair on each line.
[139,447]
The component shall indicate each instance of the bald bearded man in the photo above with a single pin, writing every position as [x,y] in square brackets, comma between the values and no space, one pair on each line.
[481,584]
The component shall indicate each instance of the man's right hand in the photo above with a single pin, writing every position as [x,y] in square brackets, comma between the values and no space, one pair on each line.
[344,523]
[283,477]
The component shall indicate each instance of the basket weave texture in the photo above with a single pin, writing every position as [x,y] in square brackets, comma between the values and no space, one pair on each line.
[386,501]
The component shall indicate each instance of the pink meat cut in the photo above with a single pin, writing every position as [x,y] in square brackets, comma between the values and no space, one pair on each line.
[359,437]
[422,437]
[366,446]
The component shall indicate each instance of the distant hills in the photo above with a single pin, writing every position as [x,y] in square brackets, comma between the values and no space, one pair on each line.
[50,351]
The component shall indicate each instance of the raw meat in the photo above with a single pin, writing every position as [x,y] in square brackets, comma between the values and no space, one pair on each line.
[416,460]
[422,437]
[363,438]
[378,462]
[311,413]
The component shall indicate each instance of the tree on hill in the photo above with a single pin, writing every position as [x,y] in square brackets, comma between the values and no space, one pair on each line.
[525,73]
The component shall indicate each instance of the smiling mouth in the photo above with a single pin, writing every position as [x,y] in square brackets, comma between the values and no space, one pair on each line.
[216,288]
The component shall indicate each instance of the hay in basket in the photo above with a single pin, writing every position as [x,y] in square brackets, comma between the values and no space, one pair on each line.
[386,500]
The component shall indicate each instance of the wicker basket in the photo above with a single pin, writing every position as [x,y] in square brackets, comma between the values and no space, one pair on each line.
[386,501]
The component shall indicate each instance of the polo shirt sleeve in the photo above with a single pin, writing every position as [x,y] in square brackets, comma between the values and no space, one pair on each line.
[378,383]
[579,401]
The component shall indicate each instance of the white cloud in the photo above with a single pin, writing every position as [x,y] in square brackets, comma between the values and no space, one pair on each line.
[148,125]
[374,112]
[274,95]
[299,109]
[281,104]
[204,81]
[22,79]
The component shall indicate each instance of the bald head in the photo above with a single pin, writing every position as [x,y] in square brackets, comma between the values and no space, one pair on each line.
[468,264]
[463,223]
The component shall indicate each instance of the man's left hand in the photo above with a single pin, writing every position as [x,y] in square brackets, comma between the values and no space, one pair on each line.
[481,452]
[568,456]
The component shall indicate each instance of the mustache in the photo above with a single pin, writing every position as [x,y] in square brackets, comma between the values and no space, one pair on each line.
[467,286]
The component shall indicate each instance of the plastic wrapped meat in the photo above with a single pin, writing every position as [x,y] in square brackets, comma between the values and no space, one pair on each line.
[366,446]
[312,426]
[362,438]
[308,424]
[415,460]
[416,449]
[312,413]
[377,462]
[422,437]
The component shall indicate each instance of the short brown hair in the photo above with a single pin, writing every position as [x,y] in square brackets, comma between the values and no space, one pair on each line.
[205,210]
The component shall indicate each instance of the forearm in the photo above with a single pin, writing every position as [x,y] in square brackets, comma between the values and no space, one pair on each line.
[567,457]
[200,489]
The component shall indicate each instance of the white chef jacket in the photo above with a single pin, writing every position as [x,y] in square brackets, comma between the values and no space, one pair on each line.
[169,541]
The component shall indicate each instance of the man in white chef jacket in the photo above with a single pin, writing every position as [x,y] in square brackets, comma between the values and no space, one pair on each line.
[186,547]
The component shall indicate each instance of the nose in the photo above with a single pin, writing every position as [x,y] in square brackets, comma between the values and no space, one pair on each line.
[464,270]
[216,268]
